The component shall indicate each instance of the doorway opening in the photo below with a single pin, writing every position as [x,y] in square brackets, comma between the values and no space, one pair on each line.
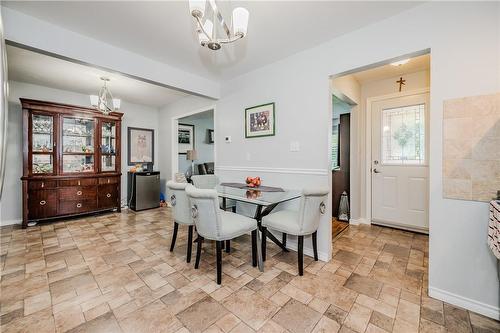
[194,144]
[341,124]
[383,161]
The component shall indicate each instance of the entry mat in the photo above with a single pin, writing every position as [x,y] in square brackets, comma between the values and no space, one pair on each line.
[260,188]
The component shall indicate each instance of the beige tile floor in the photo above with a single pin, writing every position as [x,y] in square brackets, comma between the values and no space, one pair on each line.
[114,273]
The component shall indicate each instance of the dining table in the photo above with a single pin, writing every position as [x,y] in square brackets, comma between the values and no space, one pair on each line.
[265,199]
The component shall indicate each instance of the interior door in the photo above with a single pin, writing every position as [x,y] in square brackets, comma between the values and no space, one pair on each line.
[400,168]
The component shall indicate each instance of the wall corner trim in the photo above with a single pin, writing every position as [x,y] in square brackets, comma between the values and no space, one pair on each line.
[466,303]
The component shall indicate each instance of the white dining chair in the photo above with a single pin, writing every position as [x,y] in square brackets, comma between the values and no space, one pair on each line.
[211,182]
[213,223]
[182,213]
[300,223]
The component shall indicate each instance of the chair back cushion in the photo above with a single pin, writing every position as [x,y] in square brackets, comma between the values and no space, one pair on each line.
[311,209]
[205,211]
[180,202]
[205,181]
[201,169]
[210,167]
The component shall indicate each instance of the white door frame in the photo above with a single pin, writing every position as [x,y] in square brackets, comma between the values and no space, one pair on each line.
[174,143]
[368,142]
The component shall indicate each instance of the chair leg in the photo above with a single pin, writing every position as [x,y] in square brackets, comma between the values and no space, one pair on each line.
[228,246]
[198,252]
[300,251]
[264,243]
[283,239]
[254,248]
[218,244]
[315,244]
[189,243]
[233,209]
[174,236]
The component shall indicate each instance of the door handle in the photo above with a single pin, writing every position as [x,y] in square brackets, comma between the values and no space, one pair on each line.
[376,171]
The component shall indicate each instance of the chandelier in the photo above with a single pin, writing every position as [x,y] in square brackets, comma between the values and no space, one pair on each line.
[104,101]
[207,35]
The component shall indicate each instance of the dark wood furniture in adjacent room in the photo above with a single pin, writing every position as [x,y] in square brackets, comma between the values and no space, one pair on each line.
[340,176]
[71,160]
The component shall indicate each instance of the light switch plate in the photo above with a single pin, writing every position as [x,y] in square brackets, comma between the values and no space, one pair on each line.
[294,146]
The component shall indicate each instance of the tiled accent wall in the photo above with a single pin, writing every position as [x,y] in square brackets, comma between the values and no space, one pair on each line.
[471,148]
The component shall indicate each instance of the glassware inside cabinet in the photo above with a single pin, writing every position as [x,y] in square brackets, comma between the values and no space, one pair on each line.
[42,163]
[78,163]
[42,131]
[78,135]
[108,138]
[108,163]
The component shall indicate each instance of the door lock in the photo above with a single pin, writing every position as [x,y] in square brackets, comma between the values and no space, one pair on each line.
[376,171]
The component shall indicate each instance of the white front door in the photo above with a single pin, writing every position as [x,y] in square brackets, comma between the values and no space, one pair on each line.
[400,169]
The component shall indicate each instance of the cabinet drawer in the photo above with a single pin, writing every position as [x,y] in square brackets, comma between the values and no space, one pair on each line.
[107,196]
[73,207]
[42,204]
[77,193]
[109,180]
[41,184]
[78,182]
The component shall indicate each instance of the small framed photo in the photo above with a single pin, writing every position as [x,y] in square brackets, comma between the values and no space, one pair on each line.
[259,121]
[185,138]
[141,145]
[211,138]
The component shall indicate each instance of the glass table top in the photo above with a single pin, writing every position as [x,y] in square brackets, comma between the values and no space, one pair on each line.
[254,196]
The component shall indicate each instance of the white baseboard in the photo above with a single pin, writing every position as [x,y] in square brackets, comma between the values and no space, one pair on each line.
[466,303]
[10,222]
[359,221]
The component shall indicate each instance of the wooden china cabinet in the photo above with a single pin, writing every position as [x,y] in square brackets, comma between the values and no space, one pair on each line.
[71,160]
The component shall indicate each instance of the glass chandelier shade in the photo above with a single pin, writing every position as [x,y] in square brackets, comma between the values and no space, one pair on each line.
[207,34]
[104,101]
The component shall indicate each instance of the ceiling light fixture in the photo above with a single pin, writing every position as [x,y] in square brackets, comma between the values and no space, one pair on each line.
[207,35]
[105,102]
[400,62]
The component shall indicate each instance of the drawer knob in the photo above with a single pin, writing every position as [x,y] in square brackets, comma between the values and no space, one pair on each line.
[79,183]
[108,195]
[79,193]
[108,180]
[43,184]
[78,205]
[43,202]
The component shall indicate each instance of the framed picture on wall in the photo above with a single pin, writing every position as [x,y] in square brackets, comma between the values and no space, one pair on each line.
[259,121]
[211,138]
[141,145]
[185,138]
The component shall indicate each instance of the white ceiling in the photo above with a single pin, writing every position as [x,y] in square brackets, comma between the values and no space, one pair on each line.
[164,31]
[415,64]
[32,67]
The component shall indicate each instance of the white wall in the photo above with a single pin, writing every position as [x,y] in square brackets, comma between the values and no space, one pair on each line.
[204,149]
[464,43]
[134,115]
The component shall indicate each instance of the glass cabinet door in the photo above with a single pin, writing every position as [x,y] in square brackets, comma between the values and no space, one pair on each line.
[78,145]
[42,131]
[108,146]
